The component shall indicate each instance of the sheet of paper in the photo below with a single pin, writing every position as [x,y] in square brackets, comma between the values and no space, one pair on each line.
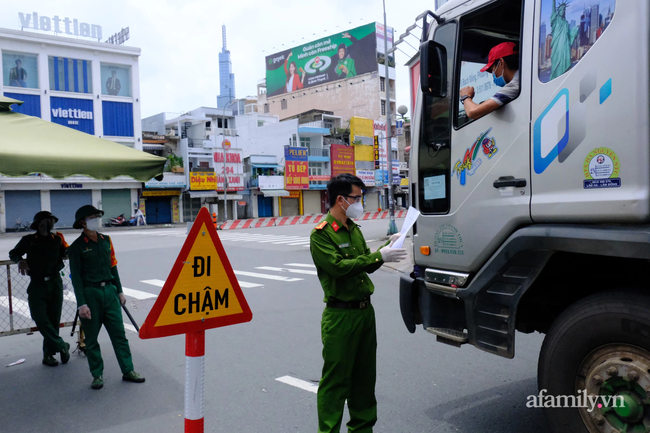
[411,216]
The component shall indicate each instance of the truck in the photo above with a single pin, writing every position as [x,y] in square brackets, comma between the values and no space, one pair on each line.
[536,217]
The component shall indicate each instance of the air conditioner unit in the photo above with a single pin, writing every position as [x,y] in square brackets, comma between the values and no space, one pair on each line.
[229,132]
[208,144]
[208,130]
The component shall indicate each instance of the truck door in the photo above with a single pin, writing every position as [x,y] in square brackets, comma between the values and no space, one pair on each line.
[469,224]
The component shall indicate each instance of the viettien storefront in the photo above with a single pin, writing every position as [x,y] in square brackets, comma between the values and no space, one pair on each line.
[22,198]
[161,200]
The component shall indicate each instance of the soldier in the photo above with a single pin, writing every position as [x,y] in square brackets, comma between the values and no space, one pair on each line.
[45,252]
[99,294]
[343,261]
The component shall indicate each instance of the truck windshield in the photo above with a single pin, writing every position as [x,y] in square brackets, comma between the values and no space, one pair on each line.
[434,152]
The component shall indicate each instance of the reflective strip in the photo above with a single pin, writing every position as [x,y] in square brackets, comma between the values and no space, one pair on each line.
[194,384]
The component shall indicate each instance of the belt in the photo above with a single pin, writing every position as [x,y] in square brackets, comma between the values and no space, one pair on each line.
[46,279]
[98,284]
[351,305]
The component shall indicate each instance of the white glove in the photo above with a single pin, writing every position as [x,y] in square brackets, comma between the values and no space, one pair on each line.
[394,238]
[392,254]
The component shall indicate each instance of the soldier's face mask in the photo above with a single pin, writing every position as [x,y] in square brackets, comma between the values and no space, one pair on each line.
[93,224]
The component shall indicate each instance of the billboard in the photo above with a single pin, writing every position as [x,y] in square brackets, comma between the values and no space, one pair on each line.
[296,167]
[336,57]
[233,168]
[74,113]
[20,70]
[203,181]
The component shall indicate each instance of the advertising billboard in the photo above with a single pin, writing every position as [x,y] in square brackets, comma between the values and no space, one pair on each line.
[20,70]
[296,166]
[342,159]
[116,79]
[203,181]
[233,168]
[336,57]
[74,113]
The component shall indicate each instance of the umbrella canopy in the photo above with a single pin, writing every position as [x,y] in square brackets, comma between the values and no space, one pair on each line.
[31,145]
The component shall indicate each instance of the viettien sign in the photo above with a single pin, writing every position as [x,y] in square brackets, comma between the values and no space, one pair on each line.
[57,25]
[201,291]
[73,113]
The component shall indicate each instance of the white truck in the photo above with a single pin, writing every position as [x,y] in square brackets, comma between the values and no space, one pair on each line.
[536,217]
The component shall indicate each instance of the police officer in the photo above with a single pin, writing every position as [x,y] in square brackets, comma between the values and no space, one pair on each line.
[343,262]
[99,294]
[45,252]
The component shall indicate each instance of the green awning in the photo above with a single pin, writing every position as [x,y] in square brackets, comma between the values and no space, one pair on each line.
[31,145]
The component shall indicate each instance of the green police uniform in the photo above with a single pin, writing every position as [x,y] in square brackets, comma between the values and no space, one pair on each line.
[343,261]
[45,291]
[97,284]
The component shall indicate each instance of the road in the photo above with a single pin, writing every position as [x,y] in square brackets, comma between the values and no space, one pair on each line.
[422,386]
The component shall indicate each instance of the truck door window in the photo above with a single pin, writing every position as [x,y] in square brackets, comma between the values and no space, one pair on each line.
[434,152]
[480,32]
[568,31]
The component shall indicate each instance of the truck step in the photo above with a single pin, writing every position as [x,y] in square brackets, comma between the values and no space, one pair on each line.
[460,337]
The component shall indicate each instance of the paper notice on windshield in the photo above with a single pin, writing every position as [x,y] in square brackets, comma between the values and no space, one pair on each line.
[434,187]
[411,216]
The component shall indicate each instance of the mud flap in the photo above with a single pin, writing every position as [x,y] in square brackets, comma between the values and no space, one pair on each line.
[408,289]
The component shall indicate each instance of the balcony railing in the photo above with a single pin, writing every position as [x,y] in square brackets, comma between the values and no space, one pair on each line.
[319,152]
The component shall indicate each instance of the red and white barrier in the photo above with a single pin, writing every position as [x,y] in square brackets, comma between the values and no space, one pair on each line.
[299,219]
[194,381]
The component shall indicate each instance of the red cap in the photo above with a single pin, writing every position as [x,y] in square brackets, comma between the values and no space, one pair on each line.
[502,50]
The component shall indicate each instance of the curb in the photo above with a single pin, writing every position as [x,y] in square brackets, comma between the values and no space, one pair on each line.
[299,219]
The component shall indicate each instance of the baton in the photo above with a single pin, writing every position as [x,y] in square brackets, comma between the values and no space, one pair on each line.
[135,325]
[74,324]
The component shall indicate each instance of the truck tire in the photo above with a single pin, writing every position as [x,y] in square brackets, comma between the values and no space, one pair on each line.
[600,344]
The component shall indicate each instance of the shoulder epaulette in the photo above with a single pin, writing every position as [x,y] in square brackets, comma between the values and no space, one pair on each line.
[321,225]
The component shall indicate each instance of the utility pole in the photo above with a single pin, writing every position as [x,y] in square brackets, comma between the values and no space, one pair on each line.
[225,174]
[392,228]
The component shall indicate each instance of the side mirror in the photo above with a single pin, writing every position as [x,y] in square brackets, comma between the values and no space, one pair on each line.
[433,69]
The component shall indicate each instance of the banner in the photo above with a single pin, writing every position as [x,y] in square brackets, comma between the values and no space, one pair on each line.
[336,57]
[296,167]
[233,168]
[342,159]
[367,176]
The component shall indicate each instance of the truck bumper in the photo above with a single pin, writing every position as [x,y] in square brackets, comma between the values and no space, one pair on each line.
[408,295]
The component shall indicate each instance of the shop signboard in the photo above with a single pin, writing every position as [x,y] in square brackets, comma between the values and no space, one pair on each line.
[73,113]
[169,180]
[203,181]
[271,182]
[367,176]
[342,159]
[296,171]
[233,168]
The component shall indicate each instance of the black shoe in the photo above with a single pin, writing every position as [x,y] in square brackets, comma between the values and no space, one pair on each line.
[50,361]
[65,353]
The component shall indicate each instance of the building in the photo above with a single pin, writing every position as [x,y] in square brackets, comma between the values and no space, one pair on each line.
[226,76]
[85,85]
[320,83]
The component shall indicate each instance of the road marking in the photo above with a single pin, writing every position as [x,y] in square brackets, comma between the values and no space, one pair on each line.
[19,306]
[130,327]
[137,294]
[295,271]
[302,384]
[160,283]
[157,283]
[266,276]
[300,265]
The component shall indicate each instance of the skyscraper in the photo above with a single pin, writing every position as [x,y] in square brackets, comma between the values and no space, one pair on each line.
[226,77]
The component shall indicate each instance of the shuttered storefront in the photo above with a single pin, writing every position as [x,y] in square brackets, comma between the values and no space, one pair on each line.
[312,202]
[65,203]
[116,202]
[21,206]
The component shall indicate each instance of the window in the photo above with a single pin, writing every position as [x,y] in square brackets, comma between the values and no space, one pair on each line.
[20,70]
[305,141]
[567,32]
[266,108]
[434,153]
[383,107]
[382,84]
[116,79]
[70,75]
[283,104]
[478,36]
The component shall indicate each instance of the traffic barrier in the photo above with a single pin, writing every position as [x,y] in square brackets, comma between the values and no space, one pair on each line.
[299,219]
[214,219]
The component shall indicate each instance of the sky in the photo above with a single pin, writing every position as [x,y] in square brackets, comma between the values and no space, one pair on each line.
[180,39]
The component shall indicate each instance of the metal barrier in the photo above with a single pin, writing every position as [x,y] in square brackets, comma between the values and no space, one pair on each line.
[14,309]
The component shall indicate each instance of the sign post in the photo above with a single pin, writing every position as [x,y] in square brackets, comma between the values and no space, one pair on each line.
[200,293]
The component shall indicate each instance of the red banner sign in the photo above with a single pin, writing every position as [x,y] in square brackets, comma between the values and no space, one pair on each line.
[342,159]
[295,174]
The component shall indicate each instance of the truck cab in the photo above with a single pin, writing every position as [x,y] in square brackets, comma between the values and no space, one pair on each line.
[536,216]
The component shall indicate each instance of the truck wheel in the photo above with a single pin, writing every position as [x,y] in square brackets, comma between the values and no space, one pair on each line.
[600,346]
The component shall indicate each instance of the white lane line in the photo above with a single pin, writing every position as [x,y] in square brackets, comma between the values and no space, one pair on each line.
[300,265]
[19,306]
[295,271]
[268,277]
[291,242]
[160,283]
[302,243]
[130,327]
[138,294]
[302,384]
[157,283]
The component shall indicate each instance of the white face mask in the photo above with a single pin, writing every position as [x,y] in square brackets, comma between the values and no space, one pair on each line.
[354,210]
[94,224]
